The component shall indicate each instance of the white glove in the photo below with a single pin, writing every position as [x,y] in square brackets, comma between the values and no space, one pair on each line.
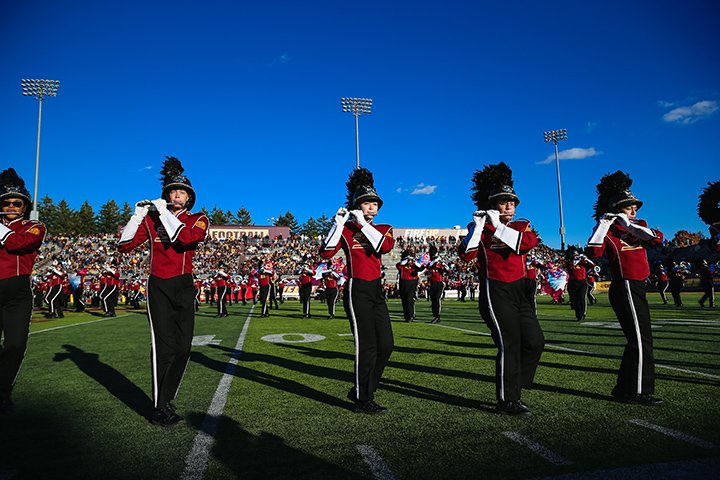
[494,217]
[472,239]
[622,219]
[5,232]
[141,209]
[341,216]
[479,216]
[160,205]
[601,229]
[359,217]
[509,236]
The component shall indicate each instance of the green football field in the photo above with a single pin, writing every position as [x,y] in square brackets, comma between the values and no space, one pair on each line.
[265,398]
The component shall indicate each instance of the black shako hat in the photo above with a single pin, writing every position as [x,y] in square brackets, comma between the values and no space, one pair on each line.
[12,186]
[493,183]
[709,203]
[614,194]
[173,178]
[361,188]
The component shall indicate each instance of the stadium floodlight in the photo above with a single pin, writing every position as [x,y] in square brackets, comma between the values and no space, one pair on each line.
[356,106]
[555,136]
[38,89]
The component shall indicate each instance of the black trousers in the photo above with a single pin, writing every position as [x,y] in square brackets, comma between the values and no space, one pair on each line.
[171,313]
[516,332]
[222,300]
[637,368]
[675,288]
[16,304]
[265,299]
[305,293]
[708,294]
[53,300]
[109,298]
[273,296]
[577,289]
[331,294]
[662,286]
[408,290]
[370,323]
[78,298]
[436,292]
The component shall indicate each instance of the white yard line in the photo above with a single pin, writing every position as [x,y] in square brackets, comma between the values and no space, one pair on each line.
[378,467]
[674,434]
[81,323]
[197,460]
[591,354]
[537,449]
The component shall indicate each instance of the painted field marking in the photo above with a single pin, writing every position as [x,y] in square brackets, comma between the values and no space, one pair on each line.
[378,467]
[674,434]
[197,460]
[81,323]
[591,354]
[537,449]
[280,338]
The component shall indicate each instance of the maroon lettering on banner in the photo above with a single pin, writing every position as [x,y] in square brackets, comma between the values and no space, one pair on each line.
[236,232]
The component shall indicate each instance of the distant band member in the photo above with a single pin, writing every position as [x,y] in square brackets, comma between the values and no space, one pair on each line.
[436,271]
[624,239]
[409,271]
[330,281]
[364,243]
[661,278]
[265,275]
[221,281]
[677,281]
[173,234]
[577,266]
[706,282]
[55,280]
[500,245]
[306,278]
[109,297]
[20,240]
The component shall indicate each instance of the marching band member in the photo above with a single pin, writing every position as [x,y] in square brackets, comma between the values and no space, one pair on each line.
[592,278]
[577,266]
[306,278]
[661,278]
[20,240]
[363,243]
[409,271]
[109,296]
[436,272]
[264,275]
[52,298]
[709,212]
[500,245]
[221,280]
[330,281]
[173,234]
[625,239]
[678,272]
[79,292]
[706,282]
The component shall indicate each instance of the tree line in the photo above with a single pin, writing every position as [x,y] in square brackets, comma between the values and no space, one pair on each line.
[61,219]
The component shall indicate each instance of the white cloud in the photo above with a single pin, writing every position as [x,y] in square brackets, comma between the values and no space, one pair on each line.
[145,168]
[666,104]
[423,189]
[691,114]
[571,154]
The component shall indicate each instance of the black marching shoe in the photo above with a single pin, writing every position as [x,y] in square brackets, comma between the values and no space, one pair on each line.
[370,408]
[515,407]
[166,416]
[435,321]
[642,399]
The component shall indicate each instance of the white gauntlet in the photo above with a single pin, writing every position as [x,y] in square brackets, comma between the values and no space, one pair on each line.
[601,229]
[5,232]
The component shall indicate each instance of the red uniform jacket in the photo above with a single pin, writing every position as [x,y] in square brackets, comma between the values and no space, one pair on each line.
[363,262]
[497,261]
[627,255]
[577,269]
[436,271]
[168,259]
[331,279]
[19,248]
[408,271]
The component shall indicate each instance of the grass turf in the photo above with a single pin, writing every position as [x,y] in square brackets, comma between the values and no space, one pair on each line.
[82,398]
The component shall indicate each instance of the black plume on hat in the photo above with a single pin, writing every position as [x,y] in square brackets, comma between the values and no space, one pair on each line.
[172,178]
[709,204]
[614,193]
[433,251]
[361,188]
[12,186]
[492,183]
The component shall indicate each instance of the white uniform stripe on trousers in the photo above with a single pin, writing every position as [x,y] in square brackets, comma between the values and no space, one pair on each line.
[353,319]
[153,346]
[501,347]
[639,338]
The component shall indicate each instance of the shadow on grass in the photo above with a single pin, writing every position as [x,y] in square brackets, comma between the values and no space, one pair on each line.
[115,382]
[262,456]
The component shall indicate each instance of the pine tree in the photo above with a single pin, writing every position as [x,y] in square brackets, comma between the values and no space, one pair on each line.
[288,220]
[310,228]
[108,218]
[218,217]
[85,218]
[126,213]
[243,217]
[47,213]
[324,224]
[231,220]
[65,223]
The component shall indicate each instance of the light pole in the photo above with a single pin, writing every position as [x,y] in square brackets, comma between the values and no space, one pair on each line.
[555,136]
[38,89]
[356,106]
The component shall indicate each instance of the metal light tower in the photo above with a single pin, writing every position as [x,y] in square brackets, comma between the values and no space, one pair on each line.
[555,136]
[38,89]
[356,106]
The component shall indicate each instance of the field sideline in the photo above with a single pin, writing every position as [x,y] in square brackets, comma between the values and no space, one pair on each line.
[278,409]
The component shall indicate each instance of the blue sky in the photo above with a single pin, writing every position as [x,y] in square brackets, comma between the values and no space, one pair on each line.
[247,95]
